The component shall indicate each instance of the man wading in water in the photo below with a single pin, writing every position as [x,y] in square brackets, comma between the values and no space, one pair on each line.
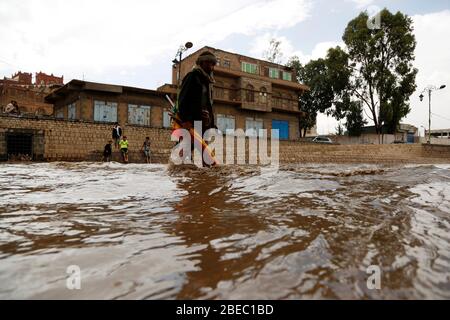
[195,100]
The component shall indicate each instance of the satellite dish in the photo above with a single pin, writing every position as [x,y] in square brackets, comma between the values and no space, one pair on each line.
[188,45]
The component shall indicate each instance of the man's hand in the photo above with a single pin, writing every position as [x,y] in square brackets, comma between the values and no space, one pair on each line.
[206,118]
[187,125]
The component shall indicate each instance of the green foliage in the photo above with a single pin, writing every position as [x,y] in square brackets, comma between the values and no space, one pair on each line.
[383,74]
[375,71]
[317,99]
[355,119]
[328,80]
[339,130]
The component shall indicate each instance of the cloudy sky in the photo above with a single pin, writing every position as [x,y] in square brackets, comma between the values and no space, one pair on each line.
[132,42]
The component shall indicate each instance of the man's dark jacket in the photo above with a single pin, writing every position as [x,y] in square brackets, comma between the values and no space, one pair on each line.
[115,134]
[195,97]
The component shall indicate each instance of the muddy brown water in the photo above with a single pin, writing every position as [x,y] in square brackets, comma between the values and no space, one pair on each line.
[154,232]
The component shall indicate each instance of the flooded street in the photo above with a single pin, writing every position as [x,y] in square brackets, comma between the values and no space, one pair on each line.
[153,232]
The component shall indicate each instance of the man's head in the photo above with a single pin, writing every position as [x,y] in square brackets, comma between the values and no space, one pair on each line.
[110,142]
[207,61]
[148,138]
[125,138]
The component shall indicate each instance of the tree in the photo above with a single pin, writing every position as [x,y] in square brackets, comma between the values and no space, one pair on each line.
[355,119]
[339,130]
[329,82]
[318,98]
[383,76]
[274,54]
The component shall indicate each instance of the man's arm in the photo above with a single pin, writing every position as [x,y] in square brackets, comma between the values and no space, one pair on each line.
[190,99]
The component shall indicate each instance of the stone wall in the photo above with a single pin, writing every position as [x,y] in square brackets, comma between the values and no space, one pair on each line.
[393,153]
[84,141]
[60,140]
[438,141]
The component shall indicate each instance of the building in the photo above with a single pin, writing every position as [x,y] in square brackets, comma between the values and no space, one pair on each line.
[405,133]
[104,103]
[19,78]
[29,96]
[440,133]
[251,94]
[43,79]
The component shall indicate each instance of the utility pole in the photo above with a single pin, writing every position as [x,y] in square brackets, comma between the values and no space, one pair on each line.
[430,89]
[177,60]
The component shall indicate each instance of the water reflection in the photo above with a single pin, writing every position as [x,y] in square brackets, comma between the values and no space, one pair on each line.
[152,232]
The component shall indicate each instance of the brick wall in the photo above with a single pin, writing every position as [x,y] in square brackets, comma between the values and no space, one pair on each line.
[84,141]
[31,99]
[45,79]
[80,141]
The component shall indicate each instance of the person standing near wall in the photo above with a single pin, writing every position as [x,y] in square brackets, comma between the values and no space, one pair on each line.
[146,148]
[124,149]
[107,152]
[116,134]
[12,108]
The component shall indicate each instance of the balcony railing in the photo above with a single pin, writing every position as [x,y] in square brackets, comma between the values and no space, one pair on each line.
[252,99]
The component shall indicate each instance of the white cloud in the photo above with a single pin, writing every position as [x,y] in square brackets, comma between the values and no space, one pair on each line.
[433,62]
[362,3]
[261,43]
[74,36]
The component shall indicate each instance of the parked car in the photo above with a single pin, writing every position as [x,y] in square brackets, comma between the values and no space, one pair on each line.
[322,140]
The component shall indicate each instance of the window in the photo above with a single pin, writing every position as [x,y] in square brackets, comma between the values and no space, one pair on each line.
[71,111]
[274,73]
[287,76]
[218,90]
[105,111]
[277,99]
[250,93]
[252,127]
[263,95]
[227,63]
[293,103]
[249,68]
[60,113]
[233,93]
[166,119]
[139,115]
[225,123]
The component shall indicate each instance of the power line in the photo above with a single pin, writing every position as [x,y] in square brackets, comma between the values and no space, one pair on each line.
[6,62]
[437,115]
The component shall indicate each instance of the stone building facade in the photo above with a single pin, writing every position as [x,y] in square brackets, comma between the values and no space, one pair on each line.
[31,99]
[43,79]
[61,140]
[251,94]
[106,104]
[29,96]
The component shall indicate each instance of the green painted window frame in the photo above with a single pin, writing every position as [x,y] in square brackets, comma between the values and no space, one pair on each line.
[274,73]
[287,76]
[249,67]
